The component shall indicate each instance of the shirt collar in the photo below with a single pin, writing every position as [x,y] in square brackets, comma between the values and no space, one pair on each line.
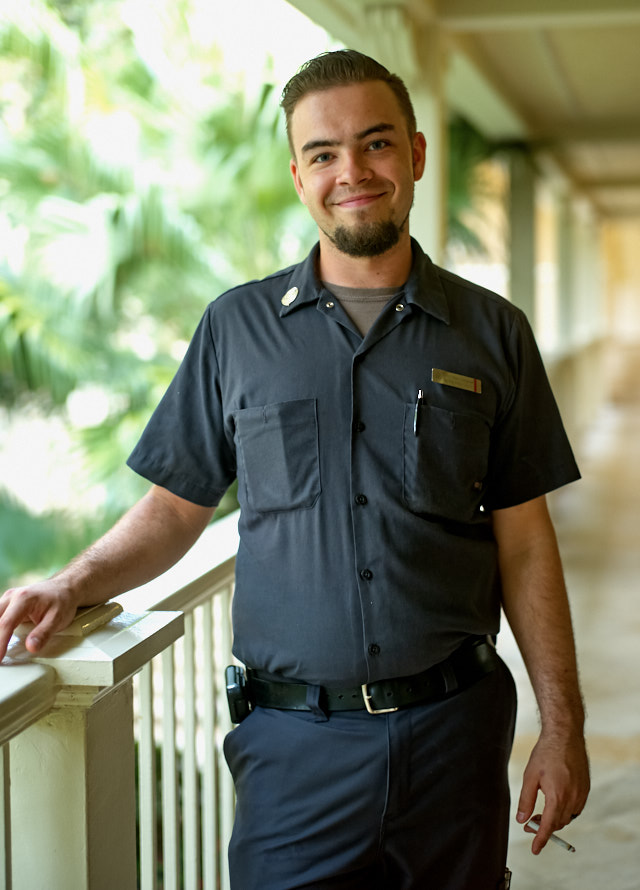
[423,288]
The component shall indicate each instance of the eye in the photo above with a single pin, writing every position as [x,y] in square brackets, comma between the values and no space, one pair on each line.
[378,144]
[321,158]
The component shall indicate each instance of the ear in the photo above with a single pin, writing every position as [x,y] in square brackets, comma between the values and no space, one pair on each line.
[419,155]
[295,173]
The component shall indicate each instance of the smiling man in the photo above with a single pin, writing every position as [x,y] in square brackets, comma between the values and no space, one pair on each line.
[394,435]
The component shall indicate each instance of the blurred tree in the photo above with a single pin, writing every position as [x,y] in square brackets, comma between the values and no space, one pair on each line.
[125,207]
[135,185]
[469,185]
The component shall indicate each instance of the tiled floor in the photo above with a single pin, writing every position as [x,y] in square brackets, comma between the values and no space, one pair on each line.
[598,525]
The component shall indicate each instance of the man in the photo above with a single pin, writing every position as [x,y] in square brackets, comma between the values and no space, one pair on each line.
[394,435]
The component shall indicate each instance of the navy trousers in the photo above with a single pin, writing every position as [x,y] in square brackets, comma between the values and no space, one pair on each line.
[413,800]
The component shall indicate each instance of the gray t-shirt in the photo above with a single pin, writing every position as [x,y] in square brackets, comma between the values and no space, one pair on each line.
[363,305]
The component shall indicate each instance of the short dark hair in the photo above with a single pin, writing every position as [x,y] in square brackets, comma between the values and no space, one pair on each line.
[341,68]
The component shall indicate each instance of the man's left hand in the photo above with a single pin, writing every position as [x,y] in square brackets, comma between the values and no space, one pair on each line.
[559,768]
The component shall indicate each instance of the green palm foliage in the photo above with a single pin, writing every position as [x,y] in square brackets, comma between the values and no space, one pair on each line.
[135,186]
[467,186]
[113,239]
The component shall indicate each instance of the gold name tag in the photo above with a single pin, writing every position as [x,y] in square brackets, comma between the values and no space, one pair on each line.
[471,384]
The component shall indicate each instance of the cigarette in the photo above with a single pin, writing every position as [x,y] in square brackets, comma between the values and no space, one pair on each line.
[554,837]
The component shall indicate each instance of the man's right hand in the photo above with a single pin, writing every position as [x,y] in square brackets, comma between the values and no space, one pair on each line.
[151,537]
[49,605]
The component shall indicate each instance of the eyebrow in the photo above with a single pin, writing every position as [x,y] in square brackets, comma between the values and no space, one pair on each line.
[314,144]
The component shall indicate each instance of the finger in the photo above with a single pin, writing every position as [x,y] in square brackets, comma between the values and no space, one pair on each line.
[13,611]
[527,800]
[572,812]
[5,636]
[539,842]
[36,640]
[24,605]
[527,826]
[576,797]
[5,599]
[54,619]
[548,823]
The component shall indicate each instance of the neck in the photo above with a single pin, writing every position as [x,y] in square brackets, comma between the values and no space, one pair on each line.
[389,269]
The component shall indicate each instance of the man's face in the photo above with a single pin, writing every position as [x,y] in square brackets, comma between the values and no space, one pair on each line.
[355,166]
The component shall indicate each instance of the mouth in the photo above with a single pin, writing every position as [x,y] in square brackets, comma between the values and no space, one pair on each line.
[356,202]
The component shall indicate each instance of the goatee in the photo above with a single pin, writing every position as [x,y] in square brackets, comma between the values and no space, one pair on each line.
[367,240]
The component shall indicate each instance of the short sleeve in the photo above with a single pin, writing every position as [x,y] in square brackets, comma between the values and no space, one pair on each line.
[185,446]
[530,453]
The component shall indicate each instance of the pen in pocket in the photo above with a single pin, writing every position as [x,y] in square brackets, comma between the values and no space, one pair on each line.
[419,398]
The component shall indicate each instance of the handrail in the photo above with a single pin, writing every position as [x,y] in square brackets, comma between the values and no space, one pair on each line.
[82,684]
[209,564]
[27,692]
[66,721]
[199,590]
[186,792]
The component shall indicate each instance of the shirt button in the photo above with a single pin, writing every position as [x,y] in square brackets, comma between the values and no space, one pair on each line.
[359,427]
[374,649]
[366,574]
[361,499]
[400,307]
[329,305]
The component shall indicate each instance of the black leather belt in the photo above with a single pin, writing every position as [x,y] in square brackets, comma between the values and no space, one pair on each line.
[467,664]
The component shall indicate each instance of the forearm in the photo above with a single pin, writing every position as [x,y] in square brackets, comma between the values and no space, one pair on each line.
[536,605]
[148,540]
[151,537]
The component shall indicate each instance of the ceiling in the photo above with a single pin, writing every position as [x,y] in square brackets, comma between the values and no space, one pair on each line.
[563,75]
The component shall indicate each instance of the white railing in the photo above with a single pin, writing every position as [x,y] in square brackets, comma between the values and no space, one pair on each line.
[27,692]
[186,800]
[67,725]
[186,812]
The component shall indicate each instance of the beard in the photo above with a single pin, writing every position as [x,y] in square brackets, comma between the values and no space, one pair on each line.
[367,240]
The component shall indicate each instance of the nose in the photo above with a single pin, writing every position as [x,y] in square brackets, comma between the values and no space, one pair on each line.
[354,168]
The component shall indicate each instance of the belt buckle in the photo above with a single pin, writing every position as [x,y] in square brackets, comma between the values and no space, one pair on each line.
[367,702]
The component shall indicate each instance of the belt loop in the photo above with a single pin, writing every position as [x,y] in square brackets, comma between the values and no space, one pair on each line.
[313,703]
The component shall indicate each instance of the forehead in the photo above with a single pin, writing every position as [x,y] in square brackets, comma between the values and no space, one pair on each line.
[339,113]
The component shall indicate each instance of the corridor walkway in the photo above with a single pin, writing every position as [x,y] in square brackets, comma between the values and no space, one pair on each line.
[598,524]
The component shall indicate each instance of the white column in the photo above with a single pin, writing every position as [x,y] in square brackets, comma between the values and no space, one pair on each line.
[72,796]
[429,216]
[5,820]
[72,772]
[588,284]
[417,55]
[522,220]
[27,691]
[566,272]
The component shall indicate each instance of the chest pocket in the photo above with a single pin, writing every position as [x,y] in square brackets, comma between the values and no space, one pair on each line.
[445,465]
[278,454]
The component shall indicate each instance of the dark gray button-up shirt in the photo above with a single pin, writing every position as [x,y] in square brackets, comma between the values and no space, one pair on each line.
[366,546]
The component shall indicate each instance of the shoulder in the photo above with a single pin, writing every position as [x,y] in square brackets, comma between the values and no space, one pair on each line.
[462,290]
[458,300]
[255,296]
[257,286]
[484,313]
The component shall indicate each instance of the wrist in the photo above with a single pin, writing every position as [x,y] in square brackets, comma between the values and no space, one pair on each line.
[71,586]
[564,728]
